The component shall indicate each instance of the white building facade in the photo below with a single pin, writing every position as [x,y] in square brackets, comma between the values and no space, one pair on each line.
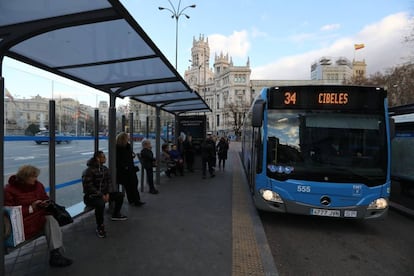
[337,70]
[225,88]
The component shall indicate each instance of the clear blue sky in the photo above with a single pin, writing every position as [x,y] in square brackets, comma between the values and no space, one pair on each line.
[281,38]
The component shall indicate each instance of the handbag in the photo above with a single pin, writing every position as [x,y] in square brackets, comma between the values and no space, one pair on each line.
[14,229]
[59,213]
[171,164]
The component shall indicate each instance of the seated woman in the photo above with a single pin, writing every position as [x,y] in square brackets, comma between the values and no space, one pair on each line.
[177,157]
[167,163]
[24,189]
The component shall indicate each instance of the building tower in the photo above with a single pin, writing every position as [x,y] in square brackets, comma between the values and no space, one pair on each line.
[226,88]
[198,75]
[335,70]
[359,69]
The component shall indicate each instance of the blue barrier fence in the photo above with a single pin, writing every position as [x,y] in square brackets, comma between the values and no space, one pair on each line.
[70,190]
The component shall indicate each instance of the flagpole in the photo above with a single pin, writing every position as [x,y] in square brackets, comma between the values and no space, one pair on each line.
[60,114]
[77,121]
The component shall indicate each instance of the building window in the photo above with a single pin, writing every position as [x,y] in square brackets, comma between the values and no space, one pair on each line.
[217,120]
[218,102]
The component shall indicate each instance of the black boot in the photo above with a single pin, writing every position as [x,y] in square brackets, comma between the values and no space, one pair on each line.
[58,260]
[139,203]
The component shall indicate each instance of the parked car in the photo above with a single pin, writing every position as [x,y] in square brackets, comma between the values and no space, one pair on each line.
[60,137]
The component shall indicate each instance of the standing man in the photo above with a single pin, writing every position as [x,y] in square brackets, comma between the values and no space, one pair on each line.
[189,152]
[208,155]
[148,162]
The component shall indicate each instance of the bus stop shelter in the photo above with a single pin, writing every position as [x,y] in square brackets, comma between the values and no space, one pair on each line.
[96,43]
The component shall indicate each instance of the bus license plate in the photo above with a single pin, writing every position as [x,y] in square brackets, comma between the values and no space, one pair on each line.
[325,213]
[350,213]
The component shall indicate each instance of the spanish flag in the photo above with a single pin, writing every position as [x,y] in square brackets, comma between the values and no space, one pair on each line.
[359,46]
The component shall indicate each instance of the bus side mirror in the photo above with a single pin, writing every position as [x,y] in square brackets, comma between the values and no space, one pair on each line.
[257,113]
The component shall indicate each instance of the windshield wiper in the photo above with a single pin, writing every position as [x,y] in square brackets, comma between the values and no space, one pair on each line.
[349,174]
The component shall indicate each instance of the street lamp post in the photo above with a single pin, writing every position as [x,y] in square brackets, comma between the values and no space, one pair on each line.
[176,13]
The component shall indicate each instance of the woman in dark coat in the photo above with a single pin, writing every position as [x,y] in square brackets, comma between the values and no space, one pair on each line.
[189,152]
[222,149]
[126,171]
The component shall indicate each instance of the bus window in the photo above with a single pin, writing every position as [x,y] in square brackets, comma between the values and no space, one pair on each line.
[259,150]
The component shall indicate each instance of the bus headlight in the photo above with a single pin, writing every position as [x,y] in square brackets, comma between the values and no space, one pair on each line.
[379,203]
[269,195]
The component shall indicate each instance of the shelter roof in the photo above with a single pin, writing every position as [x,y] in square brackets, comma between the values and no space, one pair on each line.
[96,43]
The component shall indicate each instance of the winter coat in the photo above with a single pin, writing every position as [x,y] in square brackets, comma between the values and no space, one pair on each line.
[147,158]
[188,148]
[208,149]
[175,155]
[126,171]
[222,149]
[166,161]
[96,179]
[17,193]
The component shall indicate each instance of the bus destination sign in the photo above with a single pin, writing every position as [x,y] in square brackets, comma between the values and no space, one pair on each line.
[326,97]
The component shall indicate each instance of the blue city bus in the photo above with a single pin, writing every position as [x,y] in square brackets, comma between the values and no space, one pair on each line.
[321,150]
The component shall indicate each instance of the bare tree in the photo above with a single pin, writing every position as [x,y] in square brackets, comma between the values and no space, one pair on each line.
[409,39]
[236,114]
[398,81]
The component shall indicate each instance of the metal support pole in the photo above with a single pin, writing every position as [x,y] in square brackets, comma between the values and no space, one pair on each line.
[147,127]
[112,140]
[52,150]
[131,130]
[158,143]
[176,41]
[204,65]
[176,133]
[142,179]
[2,249]
[123,122]
[96,130]
[168,132]
[176,13]
[142,169]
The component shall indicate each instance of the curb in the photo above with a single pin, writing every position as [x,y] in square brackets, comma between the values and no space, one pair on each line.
[402,209]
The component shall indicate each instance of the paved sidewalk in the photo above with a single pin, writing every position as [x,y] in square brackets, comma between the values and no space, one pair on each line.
[402,202]
[194,226]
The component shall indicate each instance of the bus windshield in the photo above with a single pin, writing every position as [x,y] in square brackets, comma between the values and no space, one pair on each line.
[326,146]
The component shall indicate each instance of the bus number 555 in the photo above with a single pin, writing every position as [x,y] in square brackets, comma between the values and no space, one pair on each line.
[303,189]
